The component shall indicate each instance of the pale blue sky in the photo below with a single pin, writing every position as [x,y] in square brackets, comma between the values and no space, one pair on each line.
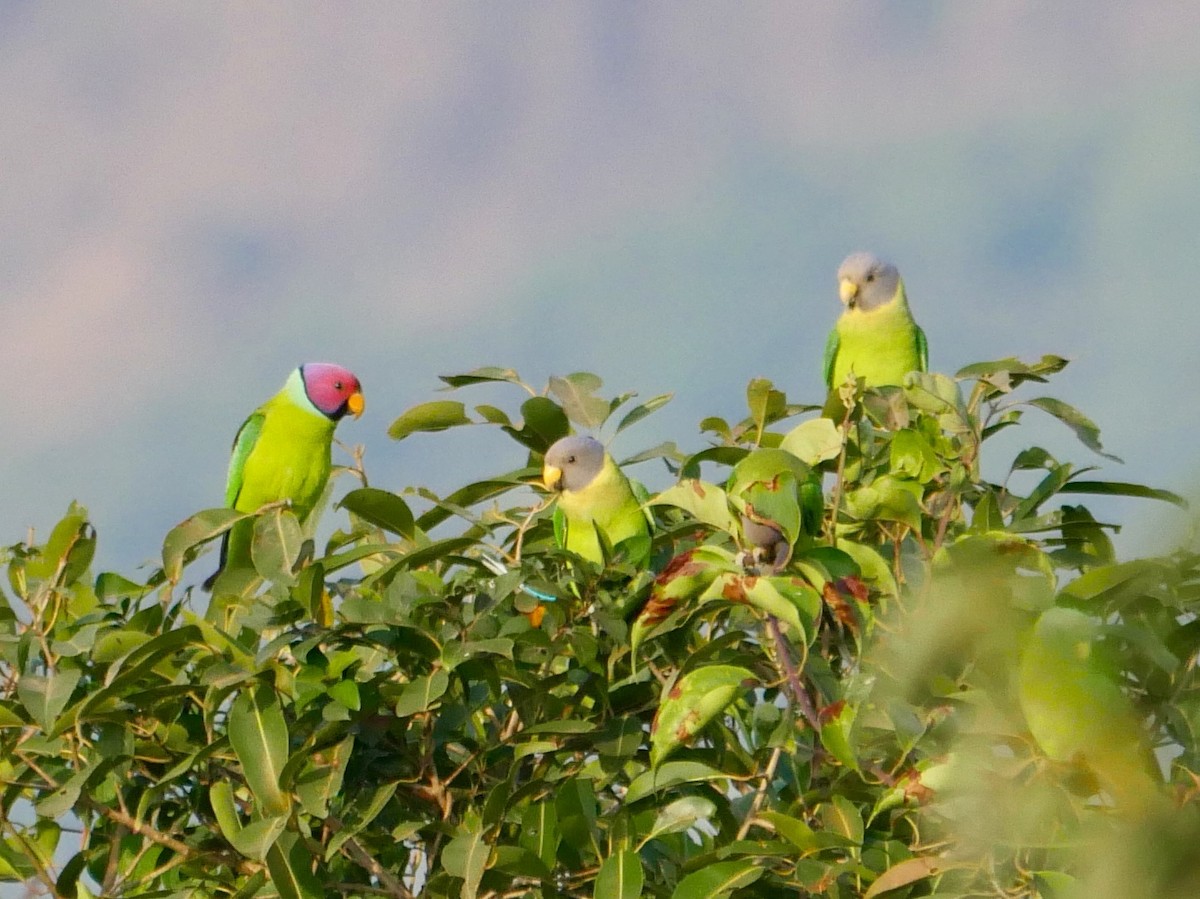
[198,197]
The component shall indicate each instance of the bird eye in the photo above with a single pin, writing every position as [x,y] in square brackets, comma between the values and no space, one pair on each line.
[570,460]
[870,276]
[337,385]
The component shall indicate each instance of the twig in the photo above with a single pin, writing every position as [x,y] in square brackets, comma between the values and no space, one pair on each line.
[760,794]
[392,886]
[841,471]
[803,700]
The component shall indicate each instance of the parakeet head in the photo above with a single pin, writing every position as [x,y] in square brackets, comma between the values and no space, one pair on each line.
[866,282]
[333,390]
[572,462]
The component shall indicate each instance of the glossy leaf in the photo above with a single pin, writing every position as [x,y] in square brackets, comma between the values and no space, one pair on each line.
[438,415]
[380,508]
[620,877]
[259,737]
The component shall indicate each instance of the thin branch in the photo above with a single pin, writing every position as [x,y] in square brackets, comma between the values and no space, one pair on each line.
[392,886]
[803,700]
[760,795]
[841,472]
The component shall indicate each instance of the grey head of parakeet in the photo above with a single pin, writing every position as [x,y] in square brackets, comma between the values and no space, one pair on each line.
[866,282]
[572,463]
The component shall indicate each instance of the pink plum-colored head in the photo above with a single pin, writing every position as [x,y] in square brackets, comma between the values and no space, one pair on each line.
[332,389]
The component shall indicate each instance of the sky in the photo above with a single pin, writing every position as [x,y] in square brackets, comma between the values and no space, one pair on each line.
[199,197]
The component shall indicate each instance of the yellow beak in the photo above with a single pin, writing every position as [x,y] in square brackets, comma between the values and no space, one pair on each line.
[356,404]
[847,290]
[551,477]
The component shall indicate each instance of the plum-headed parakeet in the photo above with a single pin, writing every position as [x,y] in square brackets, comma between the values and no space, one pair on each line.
[282,451]
[875,337]
[1077,713]
[598,507]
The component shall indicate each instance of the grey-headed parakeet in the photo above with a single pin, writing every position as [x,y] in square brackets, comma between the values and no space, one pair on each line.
[875,337]
[599,510]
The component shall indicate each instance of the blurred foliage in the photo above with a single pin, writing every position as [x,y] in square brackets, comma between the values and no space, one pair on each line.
[808,692]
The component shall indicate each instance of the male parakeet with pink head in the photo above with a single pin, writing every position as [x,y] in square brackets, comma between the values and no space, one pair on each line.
[599,510]
[876,337]
[282,451]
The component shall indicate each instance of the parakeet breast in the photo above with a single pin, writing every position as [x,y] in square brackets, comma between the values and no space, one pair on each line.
[879,345]
[291,460]
[608,505]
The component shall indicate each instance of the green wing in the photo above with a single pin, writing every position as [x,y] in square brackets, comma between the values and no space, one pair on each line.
[243,444]
[831,351]
[922,348]
[812,505]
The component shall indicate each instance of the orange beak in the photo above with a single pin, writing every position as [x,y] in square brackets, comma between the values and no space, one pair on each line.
[356,403]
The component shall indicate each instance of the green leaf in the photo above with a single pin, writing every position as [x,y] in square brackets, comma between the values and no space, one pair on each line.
[621,738]
[1121,488]
[493,415]
[575,802]
[705,502]
[380,508]
[620,877]
[539,831]
[873,567]
[813,441]
[426,555]
[836,725]
[794,830]
[483,375]
[544,423]
[321,782]
[669,775]
[717,881]
[1085,429]
[888,498]
[193,532]
[1051,484]
[912,456]
[438,415]
[421,693]
[761,593]
[577,394]
[694,700]
[764,402]
[841,816]
[45,696]
[365,808]
[680,815]
[275,547]
[909,871]
[466,857]
[68,551]
[259,738]
[1124,578]
[111,586]
[637,413]
[290,864]
[468,496]
[254,840]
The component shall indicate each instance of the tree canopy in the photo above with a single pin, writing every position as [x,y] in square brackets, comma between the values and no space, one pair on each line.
[442,702]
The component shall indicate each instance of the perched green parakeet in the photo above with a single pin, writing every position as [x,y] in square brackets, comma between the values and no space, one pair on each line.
[1077,713]
[599,510]
[282,451]
[876,337]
